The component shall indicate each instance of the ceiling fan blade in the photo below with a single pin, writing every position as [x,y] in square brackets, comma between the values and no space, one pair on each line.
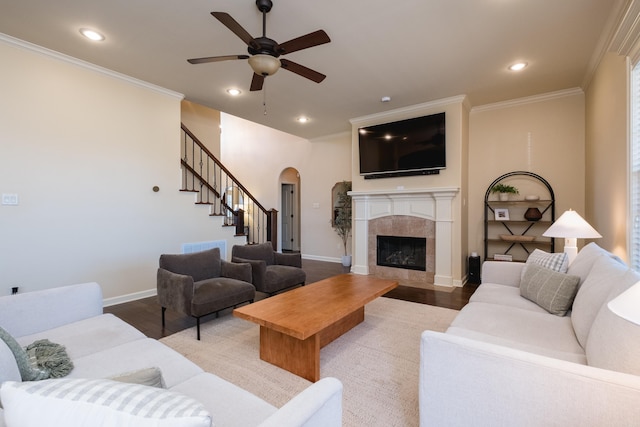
[216,59]
[236,28]
[302,70]
[256,82]
[303,42]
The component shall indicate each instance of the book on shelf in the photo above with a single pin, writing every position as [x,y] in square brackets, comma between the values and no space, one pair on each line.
[502,257]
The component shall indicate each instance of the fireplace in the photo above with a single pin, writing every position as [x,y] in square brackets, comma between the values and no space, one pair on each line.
[402,252]
[422,213]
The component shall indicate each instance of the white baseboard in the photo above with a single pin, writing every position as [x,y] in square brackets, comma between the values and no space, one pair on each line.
[322,258]
[107,302]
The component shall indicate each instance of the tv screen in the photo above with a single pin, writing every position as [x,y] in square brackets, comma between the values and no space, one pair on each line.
[407,147]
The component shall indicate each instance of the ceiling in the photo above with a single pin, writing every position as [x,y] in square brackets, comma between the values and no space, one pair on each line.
[413,51]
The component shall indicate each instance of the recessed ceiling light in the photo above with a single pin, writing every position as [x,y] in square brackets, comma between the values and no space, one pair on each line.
[91,34]
[302,119]
[518,66]
[234,92]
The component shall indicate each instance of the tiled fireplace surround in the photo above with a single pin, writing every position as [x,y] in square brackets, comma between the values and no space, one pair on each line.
[405,213]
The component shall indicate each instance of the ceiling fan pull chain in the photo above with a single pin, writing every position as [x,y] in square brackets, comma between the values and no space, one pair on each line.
[264,97]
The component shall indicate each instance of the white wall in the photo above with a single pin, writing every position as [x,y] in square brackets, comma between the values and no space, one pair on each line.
[204,123]
[257,155]
[500,136]
[83,148]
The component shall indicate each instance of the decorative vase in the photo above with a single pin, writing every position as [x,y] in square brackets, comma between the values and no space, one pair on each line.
[503,197]
[346,260]
[532,214]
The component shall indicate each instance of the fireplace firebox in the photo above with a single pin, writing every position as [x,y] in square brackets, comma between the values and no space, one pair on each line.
[402,252]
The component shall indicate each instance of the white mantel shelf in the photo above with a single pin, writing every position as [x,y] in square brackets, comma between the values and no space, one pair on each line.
[435,204]
[410,191]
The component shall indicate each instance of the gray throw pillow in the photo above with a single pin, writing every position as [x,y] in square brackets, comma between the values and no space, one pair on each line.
[151,377]
[549,289]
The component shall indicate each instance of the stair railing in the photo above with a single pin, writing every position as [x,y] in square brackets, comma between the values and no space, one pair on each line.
[205,175]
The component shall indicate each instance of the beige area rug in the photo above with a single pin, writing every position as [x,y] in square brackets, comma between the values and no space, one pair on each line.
[377,361]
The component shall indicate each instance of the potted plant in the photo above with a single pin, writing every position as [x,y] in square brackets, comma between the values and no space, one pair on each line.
[342,218]
[504,191]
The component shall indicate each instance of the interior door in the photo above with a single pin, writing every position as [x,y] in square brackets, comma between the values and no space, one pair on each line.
[289,217]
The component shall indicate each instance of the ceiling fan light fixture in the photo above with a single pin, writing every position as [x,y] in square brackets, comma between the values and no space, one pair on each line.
[264,65]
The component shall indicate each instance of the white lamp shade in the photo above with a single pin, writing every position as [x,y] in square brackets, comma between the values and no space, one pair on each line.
[627,304]
[264,65]
[571,225]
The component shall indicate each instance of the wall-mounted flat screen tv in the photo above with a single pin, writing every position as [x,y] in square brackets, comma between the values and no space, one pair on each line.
[408,147]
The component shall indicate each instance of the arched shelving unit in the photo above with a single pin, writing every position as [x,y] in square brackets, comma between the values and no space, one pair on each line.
[508,235]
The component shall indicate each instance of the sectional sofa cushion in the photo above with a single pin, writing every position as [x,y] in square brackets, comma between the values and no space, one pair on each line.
[98,402]
[584,261]
[79,337]
[614,342]
[549,289]
[227,403]
[537,332]
[504,295]
[603,277]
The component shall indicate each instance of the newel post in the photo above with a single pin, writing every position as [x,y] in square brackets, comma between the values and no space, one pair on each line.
[239,222]
[272,228]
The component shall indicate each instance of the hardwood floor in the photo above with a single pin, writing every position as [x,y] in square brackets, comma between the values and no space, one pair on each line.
[144,314]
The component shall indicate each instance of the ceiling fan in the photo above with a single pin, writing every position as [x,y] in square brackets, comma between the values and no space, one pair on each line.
[265,52]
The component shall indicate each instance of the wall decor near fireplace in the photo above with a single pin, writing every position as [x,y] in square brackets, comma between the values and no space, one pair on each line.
[402,252]
[514,238]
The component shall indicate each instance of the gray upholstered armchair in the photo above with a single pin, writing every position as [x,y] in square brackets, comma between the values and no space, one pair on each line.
[201,283]
[272,271]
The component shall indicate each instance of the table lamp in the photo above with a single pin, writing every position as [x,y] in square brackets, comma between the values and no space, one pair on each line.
[571,227]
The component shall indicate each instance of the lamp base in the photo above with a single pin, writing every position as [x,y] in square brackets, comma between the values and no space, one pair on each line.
[571,248]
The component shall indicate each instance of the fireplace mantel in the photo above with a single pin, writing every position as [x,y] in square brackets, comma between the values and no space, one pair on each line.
[435,204]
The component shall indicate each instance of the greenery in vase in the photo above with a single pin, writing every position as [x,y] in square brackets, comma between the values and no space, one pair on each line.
[503,188]
[342,220]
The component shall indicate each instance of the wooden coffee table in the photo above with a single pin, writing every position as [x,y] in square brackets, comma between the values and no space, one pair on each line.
[295,325]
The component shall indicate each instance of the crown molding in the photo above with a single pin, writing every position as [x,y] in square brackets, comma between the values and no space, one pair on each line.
[528,100]
[625,38]
[611,28]
[410,110]
[24,45]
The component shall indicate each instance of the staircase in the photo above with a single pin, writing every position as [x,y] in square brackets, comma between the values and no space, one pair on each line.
[202,173]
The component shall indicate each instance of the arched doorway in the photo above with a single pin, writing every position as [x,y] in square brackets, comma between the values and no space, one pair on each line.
[290,210]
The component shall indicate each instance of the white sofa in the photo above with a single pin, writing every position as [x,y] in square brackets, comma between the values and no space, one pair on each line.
[505,361]
[101,346]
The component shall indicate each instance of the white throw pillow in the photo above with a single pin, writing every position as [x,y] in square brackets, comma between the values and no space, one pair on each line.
[96,403]
[554,261]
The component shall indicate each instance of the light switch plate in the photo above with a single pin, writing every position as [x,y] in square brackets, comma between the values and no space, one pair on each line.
[10,199]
